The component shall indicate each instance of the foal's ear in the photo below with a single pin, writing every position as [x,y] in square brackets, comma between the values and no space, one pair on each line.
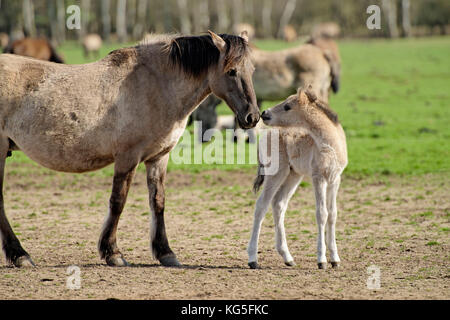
[218,42]
[302,97]
[311,94]
[244,35]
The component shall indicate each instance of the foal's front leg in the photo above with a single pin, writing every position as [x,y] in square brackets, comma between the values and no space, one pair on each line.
[156,174]
[107,244]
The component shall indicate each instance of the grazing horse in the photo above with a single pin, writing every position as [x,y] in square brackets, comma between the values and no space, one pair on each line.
[92,43]
[130,107]
[278,74]
[312,143]
[38,48]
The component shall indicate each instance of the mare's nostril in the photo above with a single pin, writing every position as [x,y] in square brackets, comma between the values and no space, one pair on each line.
[249,118]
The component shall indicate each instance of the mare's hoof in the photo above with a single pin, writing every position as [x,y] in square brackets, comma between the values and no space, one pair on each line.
[24,262]
[335,265]
[254,265]
[322,265]
[290,263]
[116,260]
[170,260]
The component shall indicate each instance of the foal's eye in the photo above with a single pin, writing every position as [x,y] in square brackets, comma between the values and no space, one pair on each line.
[287,107]
[232,73]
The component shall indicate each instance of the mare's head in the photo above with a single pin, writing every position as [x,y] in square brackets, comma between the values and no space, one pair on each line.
[299,110]
[225,59]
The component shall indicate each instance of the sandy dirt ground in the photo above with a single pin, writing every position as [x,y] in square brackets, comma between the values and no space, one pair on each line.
[400,225]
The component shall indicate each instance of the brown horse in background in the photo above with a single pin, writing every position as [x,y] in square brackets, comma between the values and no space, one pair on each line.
[38,48]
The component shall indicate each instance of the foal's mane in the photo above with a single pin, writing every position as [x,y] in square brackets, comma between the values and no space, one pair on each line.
[322,106]
[195,54]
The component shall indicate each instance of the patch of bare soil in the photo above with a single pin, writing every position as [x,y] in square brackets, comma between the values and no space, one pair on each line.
[400,225]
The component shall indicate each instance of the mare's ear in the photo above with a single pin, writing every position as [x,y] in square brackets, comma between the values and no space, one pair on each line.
[244,35]
[218,42]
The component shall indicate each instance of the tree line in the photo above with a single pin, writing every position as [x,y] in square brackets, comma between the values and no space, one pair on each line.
[126,20]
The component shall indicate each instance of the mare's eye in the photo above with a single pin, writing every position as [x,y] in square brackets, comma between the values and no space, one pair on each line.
[287,107]
[232,73]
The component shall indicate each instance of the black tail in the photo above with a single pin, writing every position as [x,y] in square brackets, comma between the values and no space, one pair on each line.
[335,70]
[259,180]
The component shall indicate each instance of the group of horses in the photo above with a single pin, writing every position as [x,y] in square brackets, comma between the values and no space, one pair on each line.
[133,105]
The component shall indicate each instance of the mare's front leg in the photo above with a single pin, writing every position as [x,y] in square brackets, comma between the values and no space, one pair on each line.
[107,245]
[320,187]
[156,174]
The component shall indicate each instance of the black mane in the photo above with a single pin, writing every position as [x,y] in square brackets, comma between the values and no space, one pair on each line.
[195,54]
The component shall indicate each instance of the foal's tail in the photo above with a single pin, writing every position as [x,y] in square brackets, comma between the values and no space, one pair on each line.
[259,180]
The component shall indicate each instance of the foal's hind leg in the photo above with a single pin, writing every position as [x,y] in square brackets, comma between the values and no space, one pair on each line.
[156,174]
[271,186]
[14,252]
[332,191]
[279,205]
[107,244]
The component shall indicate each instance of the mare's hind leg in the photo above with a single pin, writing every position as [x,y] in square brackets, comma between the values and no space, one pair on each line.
[279,205]
[14,252]
[107,244]
[156,174]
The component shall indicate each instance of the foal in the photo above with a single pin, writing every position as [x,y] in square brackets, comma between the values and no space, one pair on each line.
[311,142]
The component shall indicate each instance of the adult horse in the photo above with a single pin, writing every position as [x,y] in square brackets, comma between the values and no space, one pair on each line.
[38,48]
[130,107]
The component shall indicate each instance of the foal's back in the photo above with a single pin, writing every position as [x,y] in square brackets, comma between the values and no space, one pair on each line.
[307,157]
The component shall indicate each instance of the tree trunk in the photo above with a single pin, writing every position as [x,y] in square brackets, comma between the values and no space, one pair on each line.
[183,11]
[406,21]
[53,24]
[85,11]
[106,19]
[222,16]
[139,27]
[200,16]
[286,16]
[267,18]
[61,21]
[121,24]
[237,13]
[28,18]
[390,11]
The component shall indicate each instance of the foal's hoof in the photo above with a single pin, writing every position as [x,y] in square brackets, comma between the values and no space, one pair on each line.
[335,265]
[290,263]
[116,260]
[322,265]
[254,265]
[24,262]
[170,260]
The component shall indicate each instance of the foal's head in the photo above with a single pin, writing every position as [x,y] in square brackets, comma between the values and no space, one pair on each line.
[226,60]
[299,110]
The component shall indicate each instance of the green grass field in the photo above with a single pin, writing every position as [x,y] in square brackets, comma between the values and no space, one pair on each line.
[393,104]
